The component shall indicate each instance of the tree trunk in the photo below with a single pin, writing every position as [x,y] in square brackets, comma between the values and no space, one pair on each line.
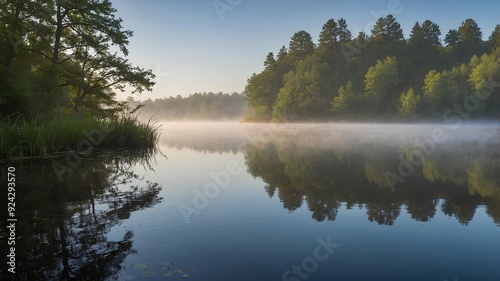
[57,36]
[14,37]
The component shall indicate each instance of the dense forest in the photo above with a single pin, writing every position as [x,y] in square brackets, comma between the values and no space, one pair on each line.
[198,106]
[381,75]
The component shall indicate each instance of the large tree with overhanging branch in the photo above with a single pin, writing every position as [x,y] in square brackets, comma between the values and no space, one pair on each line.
[64,56]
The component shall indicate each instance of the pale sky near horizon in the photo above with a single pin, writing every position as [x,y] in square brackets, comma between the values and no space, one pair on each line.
[215,45]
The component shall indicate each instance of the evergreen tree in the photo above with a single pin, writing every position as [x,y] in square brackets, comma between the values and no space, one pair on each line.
[387,30]
[452,38]
[386,40]
[470,41]
[494,40]
[282,53]
[429,76]
[423,53]
[426,35]
[416,36]
[328,37]
[344,35]
[431,33]
[269,59]
[301,45]
[470,32]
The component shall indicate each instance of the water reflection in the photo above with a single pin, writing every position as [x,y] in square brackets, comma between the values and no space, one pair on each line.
[324,165]
[63,226]
[458,176]
[211,137]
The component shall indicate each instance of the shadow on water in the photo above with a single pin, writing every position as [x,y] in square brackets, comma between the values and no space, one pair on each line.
[63,225]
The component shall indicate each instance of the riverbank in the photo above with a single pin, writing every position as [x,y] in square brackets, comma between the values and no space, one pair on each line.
[39,139]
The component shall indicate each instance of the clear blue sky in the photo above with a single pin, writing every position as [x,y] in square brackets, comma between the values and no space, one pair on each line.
[193,47]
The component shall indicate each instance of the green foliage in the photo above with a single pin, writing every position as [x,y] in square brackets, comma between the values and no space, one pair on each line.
[485,80]
[343,33]
[60,71]
[380,77]
[269,59]
[303,94]
[386,40]
[333,33]
[380,81]
[423,53]
[494,39]
[443,89]
[261,93]
[408,103]
[433,89]
[387,30]
[470,32]
[365,76]
[262,89]
[431,33]
[48,138]
[452,37]
[59,56]
[301,45]
[329,34]
[469,41]
[485,72]
[345,102]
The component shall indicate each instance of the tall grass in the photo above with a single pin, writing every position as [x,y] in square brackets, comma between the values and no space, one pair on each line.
[30,139]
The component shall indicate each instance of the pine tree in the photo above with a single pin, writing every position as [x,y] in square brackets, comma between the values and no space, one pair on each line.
[387,30]
[470,32]
[329,34]
[301,45]
[269,59]
[452,38]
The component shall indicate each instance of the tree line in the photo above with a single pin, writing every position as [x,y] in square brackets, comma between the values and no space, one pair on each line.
[382,75]
[198,106]
[64,56]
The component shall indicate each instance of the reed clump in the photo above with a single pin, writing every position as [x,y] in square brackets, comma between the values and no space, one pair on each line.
[34,138]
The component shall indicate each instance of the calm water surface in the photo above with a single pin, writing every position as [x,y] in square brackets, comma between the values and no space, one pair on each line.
[229,201]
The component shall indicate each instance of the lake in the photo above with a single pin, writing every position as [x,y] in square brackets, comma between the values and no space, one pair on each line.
[231,201]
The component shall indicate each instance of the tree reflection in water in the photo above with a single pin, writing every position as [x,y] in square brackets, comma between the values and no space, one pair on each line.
[63,226]
[324,172]
[325,165]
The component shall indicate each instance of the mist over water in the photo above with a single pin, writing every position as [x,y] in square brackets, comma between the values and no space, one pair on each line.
[392,195]
[388,156]
[232,136]
[399,202]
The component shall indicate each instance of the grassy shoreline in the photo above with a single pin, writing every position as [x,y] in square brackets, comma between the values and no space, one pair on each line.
[39,139]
